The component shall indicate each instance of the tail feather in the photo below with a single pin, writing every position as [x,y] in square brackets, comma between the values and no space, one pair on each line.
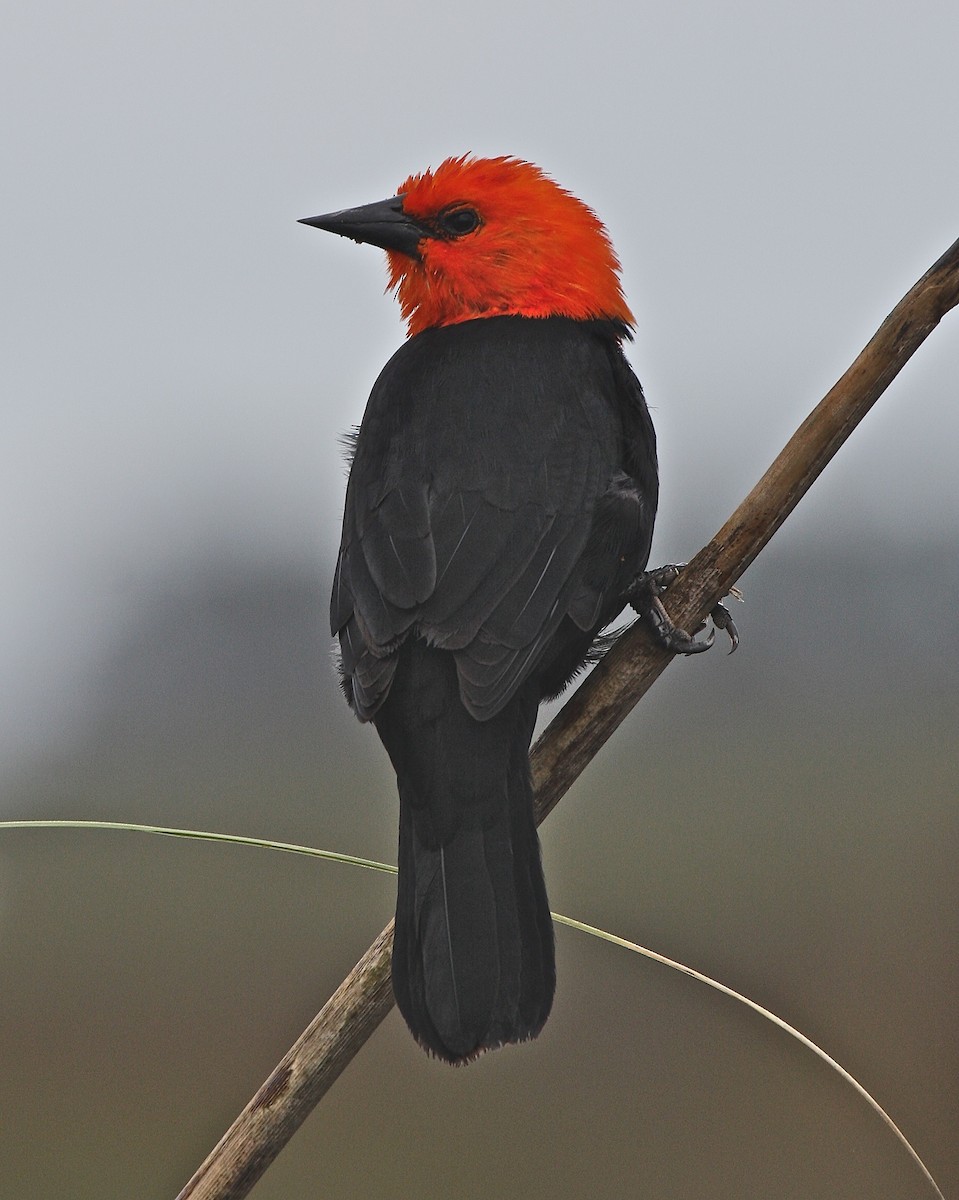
[473,961]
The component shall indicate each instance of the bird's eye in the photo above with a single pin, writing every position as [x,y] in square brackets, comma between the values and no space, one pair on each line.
[457,222]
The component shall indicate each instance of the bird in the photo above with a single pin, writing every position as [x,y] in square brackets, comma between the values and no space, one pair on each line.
[498,517]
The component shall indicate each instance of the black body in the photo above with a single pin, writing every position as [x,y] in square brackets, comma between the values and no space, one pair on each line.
[501,500]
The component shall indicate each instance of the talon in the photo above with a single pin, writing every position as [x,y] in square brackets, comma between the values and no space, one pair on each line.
[679,641]
[722,619]
[684,644]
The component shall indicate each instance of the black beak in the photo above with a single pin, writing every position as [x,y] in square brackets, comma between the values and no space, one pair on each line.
[382,224]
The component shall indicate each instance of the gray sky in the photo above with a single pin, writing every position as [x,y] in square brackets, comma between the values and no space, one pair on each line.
[180,356]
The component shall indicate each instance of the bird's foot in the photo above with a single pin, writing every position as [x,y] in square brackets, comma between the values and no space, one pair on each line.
[644,596]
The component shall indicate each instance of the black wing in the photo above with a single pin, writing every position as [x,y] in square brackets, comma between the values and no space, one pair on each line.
[489,500]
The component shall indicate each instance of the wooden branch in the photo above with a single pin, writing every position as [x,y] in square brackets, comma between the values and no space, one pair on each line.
[593,712]
[300,1080]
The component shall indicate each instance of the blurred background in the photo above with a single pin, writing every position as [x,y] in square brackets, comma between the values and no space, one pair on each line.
[180,360]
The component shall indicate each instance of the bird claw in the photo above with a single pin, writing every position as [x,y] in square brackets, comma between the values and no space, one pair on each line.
[644,596]
[722,619]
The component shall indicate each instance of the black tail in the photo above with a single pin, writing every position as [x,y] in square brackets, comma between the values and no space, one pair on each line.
[473,963]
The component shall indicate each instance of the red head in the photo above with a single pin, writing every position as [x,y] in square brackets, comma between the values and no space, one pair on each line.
[484,237]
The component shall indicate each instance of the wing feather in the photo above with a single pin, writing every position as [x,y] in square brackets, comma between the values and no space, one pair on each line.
[478,511]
